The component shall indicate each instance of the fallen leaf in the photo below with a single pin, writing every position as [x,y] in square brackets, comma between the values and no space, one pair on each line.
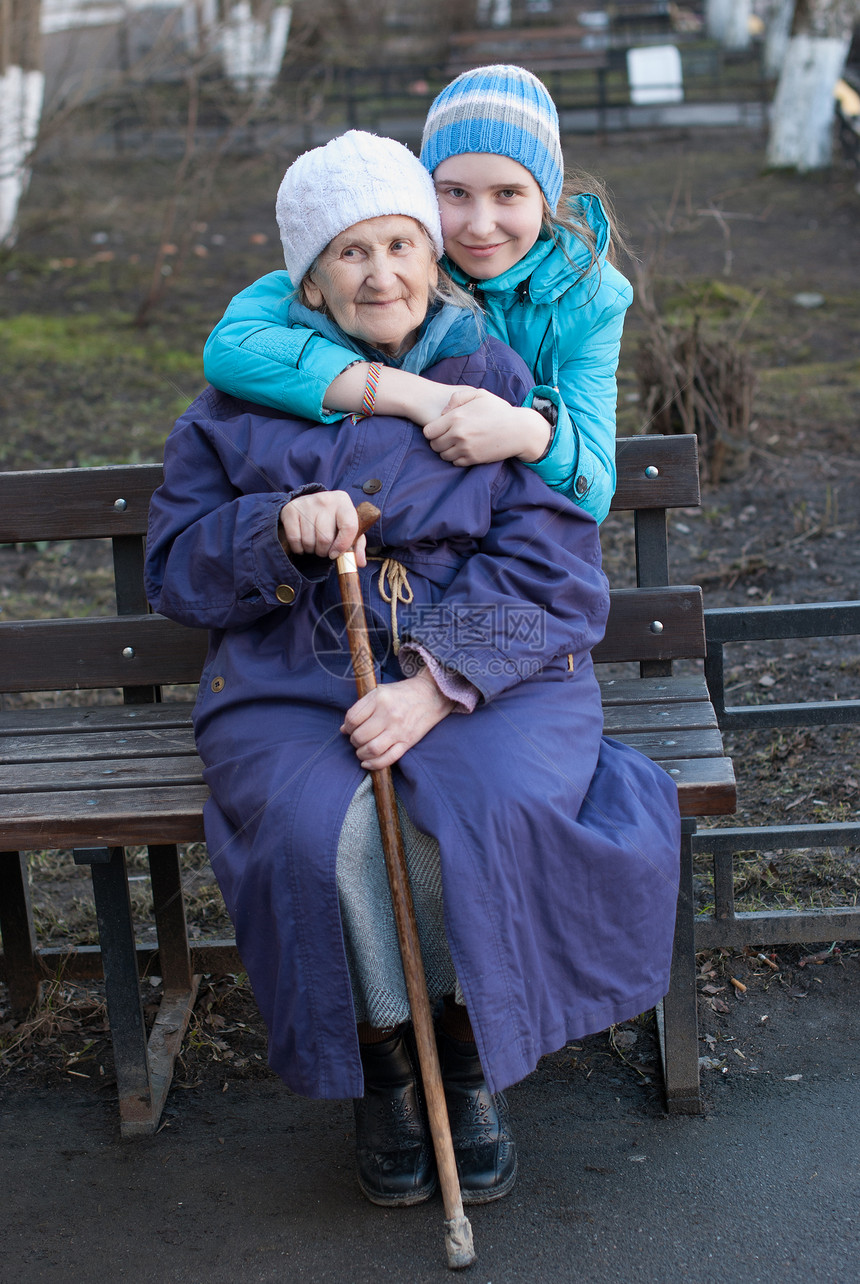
[713,989]
[821,957]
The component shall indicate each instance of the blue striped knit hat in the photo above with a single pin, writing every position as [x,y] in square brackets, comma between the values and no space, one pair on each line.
[500,109]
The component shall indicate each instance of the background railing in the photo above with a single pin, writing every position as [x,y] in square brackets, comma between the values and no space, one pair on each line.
[725,926]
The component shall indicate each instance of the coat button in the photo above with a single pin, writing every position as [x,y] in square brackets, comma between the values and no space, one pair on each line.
[372,486]
[580,485]
[217,684]
[285,593]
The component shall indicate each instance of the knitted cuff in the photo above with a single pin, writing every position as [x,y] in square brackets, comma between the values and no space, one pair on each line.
[413,657]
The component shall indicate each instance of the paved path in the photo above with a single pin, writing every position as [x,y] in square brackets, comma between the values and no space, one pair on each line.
[253,1184]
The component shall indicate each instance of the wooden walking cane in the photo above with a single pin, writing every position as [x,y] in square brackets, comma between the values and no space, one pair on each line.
[458,1232]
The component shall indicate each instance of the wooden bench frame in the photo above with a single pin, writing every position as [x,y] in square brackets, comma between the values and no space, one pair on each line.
[98,779]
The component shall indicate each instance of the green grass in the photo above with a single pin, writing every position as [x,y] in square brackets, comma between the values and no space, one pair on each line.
[90,338]
[89,388]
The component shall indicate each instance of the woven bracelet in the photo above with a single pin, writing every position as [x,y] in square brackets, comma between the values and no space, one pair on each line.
[371,388]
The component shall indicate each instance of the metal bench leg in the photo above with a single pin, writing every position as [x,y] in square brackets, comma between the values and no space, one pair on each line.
[677,1019]
[23,976]
[144,1068]
[122,987]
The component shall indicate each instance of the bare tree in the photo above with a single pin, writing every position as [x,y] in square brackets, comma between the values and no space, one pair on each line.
[778,34]
[801,131]
[22,89]
[728,22]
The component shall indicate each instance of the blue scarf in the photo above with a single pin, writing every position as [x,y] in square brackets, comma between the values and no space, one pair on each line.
[447,331]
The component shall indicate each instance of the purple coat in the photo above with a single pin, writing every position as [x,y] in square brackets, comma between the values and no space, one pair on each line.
[559,847]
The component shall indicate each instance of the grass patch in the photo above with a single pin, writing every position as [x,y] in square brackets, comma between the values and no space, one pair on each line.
[87,389]
[91,338]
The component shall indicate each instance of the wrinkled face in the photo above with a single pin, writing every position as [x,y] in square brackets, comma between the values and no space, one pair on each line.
[375,279]
[491,210]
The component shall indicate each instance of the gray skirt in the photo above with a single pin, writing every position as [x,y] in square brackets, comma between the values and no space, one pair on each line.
[370,935]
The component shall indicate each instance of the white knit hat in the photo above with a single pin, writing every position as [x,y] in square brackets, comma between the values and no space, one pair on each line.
[354,177]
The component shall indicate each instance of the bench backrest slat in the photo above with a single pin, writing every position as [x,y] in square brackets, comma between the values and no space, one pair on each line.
[67,655]
[54,655]
[76,503]
[675,484]
[632,632]
[80,503]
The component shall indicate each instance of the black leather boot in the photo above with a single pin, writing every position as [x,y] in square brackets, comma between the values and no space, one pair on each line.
[484,1147]
[394,1151]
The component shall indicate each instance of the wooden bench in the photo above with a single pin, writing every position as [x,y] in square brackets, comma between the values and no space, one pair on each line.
[542,49]
[99,778]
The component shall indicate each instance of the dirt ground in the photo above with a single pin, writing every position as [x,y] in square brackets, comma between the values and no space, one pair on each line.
[769,260]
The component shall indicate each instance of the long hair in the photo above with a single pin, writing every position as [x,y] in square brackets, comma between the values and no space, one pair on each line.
[571,217]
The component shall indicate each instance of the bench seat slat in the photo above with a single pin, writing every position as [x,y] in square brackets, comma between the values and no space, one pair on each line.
[108,717]
[621,719]
[97,745]
[101,773]
[662,745]
[670,690]
[706,786]
[112,818]
[103,738]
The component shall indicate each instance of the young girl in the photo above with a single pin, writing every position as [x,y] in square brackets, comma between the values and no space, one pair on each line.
[543,279]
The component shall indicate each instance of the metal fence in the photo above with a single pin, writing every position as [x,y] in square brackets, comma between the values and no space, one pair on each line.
[725,926]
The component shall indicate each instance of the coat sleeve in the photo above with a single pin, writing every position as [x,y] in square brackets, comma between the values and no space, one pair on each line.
[532,592]
[581,461]
[255,354]
[214,559]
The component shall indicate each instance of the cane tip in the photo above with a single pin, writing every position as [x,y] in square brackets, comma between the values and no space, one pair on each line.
[458,1243]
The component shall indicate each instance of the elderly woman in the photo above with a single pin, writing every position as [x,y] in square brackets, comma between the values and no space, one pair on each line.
[542,855]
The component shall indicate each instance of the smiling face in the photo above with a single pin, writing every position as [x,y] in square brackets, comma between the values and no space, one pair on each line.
[491,209]
[375,279]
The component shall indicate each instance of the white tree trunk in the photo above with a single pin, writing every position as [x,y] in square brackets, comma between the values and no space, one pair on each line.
[777,37]
[801,131]
[728,22]
[22,92]
[253,47]
[250,34]
[497,11]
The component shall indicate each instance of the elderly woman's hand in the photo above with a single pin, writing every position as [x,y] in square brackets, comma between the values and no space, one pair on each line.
[324,524]
[392,718]
[477,427]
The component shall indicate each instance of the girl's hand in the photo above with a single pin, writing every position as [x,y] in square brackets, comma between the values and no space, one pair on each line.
[480,428]
[324,524]
[387,721]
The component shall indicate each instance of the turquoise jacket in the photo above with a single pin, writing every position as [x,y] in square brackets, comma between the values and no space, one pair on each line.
[568,332]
